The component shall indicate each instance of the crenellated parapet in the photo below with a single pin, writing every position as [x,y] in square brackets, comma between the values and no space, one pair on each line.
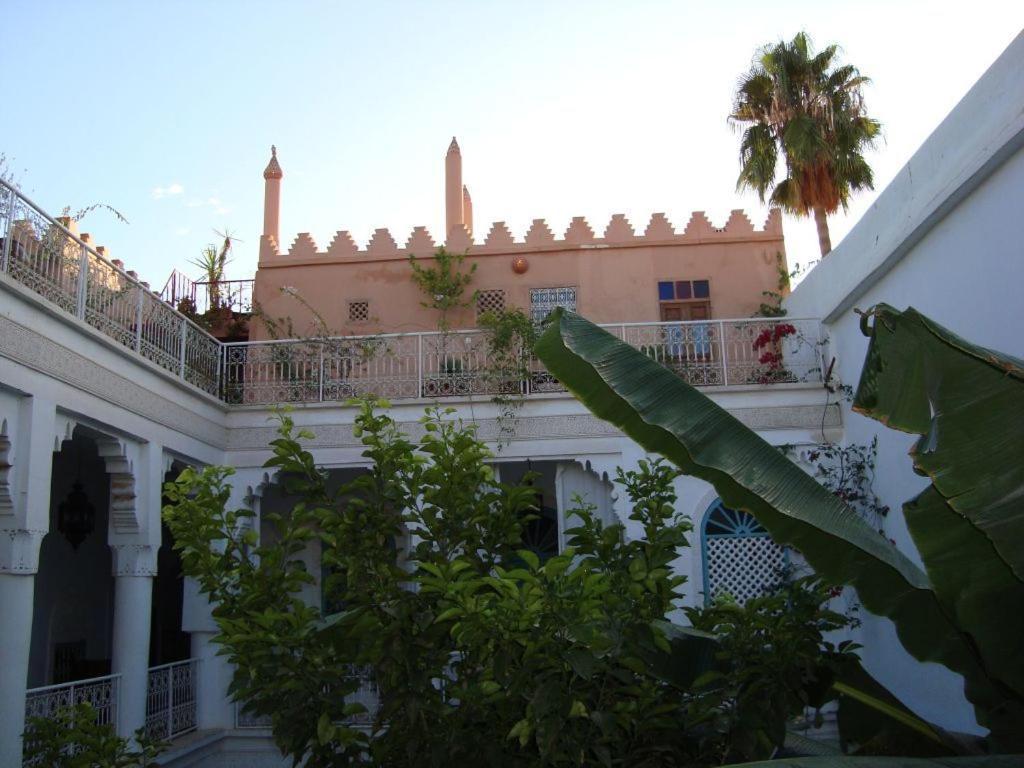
[619,232]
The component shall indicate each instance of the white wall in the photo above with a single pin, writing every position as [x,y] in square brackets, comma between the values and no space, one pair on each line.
[947,238]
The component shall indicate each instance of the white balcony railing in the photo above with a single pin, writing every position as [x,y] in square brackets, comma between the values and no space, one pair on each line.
[459,363]
[171,699]
[102,693]
[42,255]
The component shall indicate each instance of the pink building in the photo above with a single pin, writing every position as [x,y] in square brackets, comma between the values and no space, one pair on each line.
[617,274]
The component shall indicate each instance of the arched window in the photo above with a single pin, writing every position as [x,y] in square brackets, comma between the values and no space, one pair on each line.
[740,558]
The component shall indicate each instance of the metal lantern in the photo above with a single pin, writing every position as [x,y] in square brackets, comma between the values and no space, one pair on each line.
[76,516]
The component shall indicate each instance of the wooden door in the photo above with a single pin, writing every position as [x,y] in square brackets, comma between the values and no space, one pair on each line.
[681,311]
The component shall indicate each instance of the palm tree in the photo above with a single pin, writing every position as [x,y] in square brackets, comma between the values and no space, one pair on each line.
[212,262]
[803,104]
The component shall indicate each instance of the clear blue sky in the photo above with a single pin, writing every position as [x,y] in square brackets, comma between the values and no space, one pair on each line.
[167,110]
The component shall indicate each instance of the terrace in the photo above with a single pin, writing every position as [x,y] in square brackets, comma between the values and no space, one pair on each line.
[42,255]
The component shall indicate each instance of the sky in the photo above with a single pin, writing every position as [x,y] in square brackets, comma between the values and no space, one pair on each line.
[166,111]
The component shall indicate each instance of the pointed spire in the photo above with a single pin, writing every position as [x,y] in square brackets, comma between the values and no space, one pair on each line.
[273,170]
[467,210]
[454,215]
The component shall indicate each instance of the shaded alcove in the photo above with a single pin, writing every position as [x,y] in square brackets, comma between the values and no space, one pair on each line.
[73,606]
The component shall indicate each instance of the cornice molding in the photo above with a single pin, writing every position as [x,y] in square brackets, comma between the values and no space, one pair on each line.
[529,428]
[40,353]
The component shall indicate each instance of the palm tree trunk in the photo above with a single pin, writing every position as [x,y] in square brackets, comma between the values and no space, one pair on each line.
[824,241]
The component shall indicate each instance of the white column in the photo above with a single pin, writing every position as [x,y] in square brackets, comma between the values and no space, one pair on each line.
[16,591]
[134,568]
[30,422]
[214,708]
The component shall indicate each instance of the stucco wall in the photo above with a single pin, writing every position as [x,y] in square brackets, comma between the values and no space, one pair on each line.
[615,283]
[947,238]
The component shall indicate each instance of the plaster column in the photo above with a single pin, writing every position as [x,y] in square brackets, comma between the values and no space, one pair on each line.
[17,588]
[213,705]
[134,568]
[24,520]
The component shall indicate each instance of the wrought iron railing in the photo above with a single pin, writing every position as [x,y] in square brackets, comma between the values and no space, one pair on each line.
[460,363]
[171,699]
[41,254]
[366,694]
[101,693]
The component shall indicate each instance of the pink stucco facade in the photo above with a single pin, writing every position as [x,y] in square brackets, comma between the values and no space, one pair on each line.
[614,272]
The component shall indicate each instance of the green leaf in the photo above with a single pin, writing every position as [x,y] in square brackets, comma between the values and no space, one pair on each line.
[967,404]
[900,715]
[848,761]
[578,709]
[530,558]
[872,719]
[665,415]
[324,729]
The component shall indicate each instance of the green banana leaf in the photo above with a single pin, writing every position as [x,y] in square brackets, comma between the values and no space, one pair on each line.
[839,761]
[665,415]
[873,721]
[967,403]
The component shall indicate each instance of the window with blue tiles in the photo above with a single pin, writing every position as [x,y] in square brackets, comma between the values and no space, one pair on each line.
[544,301]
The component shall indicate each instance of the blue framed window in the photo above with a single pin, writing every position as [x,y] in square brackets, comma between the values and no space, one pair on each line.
[738,556]
[683,290]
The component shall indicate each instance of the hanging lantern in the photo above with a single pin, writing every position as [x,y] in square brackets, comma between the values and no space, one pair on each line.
[76,516]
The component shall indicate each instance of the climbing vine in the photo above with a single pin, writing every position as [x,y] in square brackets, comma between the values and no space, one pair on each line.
[848,471]
[511,335]
[444,283]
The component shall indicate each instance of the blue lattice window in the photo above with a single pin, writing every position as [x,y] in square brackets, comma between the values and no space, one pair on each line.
[740,558]
[544,301]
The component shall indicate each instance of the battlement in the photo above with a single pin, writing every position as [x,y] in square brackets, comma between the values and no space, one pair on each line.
[618,233]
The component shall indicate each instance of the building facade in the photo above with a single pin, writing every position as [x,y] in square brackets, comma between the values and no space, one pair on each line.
[106,391]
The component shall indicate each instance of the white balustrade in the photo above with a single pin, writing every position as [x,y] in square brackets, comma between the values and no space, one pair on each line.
[101,693]
[171,699]
[41,254]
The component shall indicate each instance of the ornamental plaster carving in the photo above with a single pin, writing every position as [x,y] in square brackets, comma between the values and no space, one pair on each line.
[133,560]
[114,452]
[37,352]
[6,462]
[545,427]
[19,550]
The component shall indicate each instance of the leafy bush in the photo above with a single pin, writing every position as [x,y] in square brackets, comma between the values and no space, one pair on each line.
[481,653]
[73,739]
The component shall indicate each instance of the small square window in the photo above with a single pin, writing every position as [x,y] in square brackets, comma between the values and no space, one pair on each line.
[490,301]
[683,290]
[358,311]
[701,289]
[665,292]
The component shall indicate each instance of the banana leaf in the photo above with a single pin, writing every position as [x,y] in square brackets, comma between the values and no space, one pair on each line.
[840,761]
[665,415]
[967,404]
